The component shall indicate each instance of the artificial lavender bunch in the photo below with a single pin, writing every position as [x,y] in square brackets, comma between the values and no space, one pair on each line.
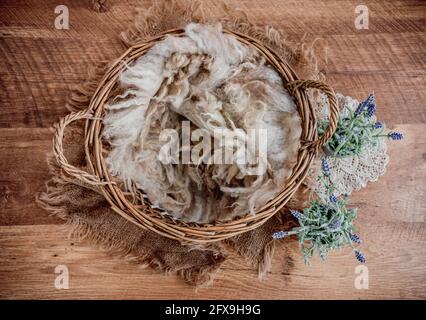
[326,225]
[356,130]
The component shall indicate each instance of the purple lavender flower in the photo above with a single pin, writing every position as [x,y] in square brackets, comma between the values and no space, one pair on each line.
[341,139]
[355,238]
[359,109]
[369,103]
[333,198]
[371,109]
[279,234]
[395,135]
[297,214]
[359,256]
[378,125]
[335,224]
[325,167]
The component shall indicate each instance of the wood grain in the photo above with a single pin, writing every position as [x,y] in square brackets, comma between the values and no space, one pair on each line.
[39,65]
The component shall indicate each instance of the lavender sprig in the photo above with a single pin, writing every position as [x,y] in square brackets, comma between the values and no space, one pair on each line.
[378,125]
[368,104]
[279,234]
[395,135]
[325,167]
[298,215]
[336,224]
[355,238]
[371,109]
[359,256]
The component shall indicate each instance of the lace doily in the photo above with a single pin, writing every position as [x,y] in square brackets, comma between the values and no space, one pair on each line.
[354,172]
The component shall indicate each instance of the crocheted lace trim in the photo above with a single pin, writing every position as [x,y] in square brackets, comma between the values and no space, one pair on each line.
[354,172]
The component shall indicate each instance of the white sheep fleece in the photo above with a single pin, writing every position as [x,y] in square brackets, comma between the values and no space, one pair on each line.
[211,79]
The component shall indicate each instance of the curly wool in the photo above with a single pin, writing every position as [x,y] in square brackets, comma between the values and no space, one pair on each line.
[209,78]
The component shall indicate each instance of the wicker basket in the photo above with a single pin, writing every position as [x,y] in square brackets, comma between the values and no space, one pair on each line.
[134,206]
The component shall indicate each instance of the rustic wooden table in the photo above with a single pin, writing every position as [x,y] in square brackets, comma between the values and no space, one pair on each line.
[39,64]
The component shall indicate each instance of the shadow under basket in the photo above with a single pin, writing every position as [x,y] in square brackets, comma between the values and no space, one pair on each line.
[134,205]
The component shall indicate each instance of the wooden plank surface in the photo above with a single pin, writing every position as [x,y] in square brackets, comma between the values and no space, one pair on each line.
[39,64]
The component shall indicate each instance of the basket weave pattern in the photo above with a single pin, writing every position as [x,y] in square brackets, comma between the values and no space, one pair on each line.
[134,206]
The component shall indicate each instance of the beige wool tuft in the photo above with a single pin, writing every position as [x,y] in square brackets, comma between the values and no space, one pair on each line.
[209,78]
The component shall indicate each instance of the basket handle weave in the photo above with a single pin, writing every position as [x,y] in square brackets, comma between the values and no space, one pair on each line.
[58,148]
[316,145]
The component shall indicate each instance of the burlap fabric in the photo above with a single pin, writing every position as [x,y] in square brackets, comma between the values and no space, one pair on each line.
[88,213]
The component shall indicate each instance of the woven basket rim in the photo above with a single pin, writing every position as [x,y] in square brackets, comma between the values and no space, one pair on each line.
[148,217]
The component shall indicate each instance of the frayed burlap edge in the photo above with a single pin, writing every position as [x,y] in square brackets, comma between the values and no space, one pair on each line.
[57,193]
